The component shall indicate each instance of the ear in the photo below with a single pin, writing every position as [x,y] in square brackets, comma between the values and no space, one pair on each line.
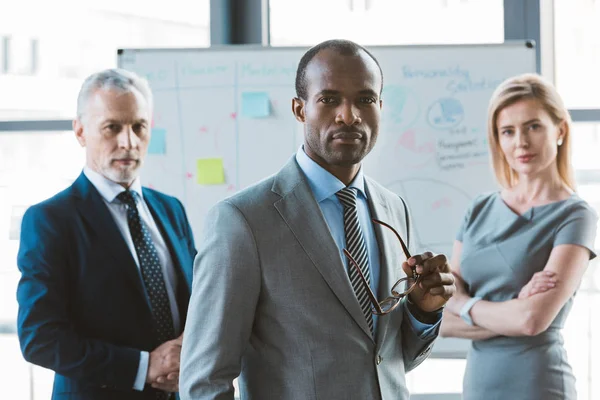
[298,109]
[562,130]
[78,129]
[380,104]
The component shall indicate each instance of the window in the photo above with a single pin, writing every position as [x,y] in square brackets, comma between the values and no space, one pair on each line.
[386,22]
[20,55]
[577,51]
[33,167]
[583,325]
[47,54]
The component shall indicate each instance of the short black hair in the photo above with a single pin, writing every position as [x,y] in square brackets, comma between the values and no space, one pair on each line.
[343,47]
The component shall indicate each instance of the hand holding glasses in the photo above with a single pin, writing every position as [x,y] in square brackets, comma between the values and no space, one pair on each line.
[390,303]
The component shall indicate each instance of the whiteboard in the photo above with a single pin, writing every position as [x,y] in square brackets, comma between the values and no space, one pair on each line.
[431,149]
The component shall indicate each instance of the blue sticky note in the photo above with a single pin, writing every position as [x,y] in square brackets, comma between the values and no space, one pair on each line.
[158,142]
[255,105]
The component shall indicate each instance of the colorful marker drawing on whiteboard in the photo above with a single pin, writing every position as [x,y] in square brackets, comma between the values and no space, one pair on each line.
[401,105]
[443,202]
[220,127]
[449,201]
[411,153]
[408,140]
[445,113]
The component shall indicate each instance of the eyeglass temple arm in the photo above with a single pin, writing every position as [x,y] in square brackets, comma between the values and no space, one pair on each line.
[404,248]
[364,281]
[416,276]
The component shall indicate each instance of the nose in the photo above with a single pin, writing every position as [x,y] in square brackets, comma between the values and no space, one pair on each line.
[348,114]
[127,138]
[522,138]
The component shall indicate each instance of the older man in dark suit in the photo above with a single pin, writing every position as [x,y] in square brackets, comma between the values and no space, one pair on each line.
[107,264]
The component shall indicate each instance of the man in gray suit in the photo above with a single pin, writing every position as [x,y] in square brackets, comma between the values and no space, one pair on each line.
[274,298]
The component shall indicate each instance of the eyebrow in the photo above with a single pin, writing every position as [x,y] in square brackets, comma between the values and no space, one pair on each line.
[524,123]
[330,92]
[116,121]
[369,92]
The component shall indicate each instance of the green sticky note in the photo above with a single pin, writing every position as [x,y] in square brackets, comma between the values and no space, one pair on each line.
[210,171]
[158,142]
[255,105]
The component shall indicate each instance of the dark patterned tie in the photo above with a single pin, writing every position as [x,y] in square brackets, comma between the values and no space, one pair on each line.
[355,244]
[151,270]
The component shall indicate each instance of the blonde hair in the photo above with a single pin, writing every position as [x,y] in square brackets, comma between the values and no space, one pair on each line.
[525,87]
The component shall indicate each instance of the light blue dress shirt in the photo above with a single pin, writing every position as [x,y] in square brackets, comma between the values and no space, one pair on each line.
[324,186]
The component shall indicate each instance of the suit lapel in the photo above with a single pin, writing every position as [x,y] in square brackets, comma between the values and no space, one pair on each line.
[385,240]
[93,209]
[303,215]
[174,243]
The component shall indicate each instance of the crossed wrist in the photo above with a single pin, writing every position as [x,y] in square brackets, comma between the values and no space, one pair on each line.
[465,310]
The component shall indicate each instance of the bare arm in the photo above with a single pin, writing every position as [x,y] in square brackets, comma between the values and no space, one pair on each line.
[454,326]
[532,315]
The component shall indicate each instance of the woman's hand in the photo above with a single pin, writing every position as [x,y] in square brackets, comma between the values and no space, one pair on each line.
[540,282]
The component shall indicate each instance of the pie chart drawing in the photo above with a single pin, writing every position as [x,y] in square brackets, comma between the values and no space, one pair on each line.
[445,113]
[437,210]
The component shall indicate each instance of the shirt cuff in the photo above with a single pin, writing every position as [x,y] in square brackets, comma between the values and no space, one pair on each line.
[140,378]
[423,330]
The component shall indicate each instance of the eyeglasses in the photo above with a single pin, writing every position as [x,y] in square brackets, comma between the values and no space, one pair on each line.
[390,303]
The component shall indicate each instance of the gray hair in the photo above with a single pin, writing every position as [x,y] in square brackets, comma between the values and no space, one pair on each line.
[115,79]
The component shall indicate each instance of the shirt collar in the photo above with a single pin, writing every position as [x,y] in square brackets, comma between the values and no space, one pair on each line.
[108,189]
[322,183]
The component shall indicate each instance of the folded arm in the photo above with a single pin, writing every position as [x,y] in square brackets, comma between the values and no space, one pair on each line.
[533,315]
[521,316]
[454,326]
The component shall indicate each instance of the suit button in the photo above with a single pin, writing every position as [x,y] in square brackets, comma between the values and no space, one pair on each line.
[379,359]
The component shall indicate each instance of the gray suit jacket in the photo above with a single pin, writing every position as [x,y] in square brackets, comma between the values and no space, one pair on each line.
[271,301]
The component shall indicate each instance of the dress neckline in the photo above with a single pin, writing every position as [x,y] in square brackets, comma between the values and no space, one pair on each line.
[530,212]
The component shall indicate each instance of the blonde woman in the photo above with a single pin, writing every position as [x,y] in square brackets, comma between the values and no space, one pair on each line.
[521,252]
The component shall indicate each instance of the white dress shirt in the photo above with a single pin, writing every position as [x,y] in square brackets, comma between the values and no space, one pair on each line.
[109,191]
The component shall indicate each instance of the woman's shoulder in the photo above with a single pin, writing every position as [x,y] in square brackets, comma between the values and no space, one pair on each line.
[576,207]
[483,202]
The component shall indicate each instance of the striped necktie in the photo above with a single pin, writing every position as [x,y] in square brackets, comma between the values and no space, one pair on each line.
[356,246]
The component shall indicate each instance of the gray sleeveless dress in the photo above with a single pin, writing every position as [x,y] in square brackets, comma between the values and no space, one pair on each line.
[501,252]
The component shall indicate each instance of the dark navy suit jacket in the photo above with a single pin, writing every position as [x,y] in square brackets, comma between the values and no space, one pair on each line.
[83,310]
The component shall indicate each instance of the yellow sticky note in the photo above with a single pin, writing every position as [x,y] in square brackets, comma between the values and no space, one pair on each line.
[210,171]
